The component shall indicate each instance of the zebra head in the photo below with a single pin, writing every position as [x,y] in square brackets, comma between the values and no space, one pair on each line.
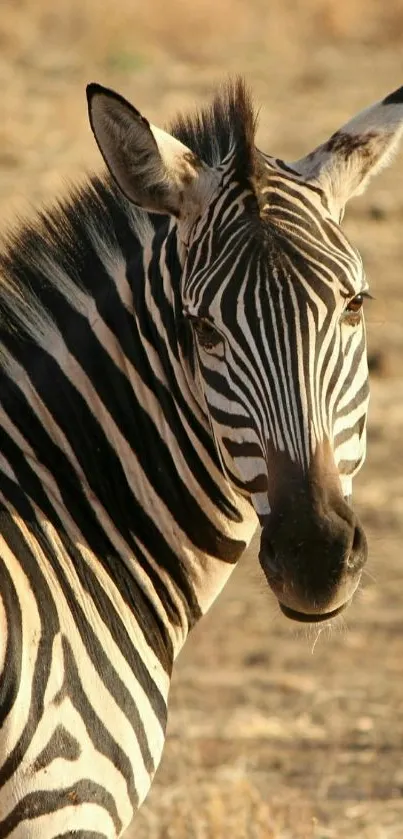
[273,294]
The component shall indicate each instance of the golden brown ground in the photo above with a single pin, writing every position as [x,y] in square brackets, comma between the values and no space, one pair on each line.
[271,735]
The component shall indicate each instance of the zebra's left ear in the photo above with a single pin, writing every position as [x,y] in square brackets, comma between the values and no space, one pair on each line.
[344,164]
[152,168]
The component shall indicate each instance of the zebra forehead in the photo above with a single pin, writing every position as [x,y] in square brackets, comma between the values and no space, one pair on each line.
[288,238]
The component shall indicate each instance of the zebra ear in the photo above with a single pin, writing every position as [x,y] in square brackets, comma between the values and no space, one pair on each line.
[152,168]
[344,164]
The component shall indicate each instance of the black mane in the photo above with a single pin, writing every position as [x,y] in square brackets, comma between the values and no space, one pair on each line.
[227,125]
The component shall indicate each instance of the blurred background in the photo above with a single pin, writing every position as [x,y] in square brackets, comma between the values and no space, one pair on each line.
[275,732]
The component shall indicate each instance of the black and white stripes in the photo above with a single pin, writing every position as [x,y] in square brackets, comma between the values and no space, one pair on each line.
[169,373]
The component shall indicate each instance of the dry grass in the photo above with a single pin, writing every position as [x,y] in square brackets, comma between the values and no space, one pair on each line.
[226,806]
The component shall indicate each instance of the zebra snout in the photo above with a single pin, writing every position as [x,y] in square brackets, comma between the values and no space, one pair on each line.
[313,561]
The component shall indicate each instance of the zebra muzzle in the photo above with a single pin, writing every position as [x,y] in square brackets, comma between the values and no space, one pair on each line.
[313,562]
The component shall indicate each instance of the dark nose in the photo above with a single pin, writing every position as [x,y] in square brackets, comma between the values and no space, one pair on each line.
[312,551]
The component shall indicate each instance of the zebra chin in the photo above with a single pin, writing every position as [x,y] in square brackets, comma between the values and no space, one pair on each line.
[305,606]
[320,615]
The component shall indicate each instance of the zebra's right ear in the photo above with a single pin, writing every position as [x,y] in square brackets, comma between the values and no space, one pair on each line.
[152,168]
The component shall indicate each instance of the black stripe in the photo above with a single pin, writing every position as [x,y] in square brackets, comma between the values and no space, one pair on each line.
[26,476]
[357,398]
[134,334]
[81,834]
[49,628]
[10,675]
[116,393]
[55,460]
[62,745]
[95,651]
[116,627]
[42,803]
[99,735]
[242,449]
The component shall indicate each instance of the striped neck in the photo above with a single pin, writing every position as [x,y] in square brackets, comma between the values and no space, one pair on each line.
[101,400]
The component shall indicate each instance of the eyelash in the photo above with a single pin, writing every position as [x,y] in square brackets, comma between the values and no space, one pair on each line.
[208,337]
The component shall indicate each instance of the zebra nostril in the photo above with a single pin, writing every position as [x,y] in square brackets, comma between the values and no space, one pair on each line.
[358,553]
[270,565]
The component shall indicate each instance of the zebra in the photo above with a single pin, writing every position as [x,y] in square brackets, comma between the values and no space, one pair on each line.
[183,359]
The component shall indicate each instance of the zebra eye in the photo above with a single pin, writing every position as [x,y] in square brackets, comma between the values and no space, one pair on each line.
[207,335]
[355,304]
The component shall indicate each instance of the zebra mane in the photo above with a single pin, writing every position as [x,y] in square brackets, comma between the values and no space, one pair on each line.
[227,125]
[65,249]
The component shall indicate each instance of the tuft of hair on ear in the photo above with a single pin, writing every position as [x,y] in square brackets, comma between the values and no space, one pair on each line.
[226,126]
